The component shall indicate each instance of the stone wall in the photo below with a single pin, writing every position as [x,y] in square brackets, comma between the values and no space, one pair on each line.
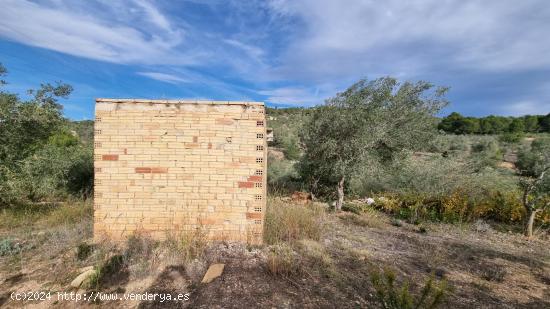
[170,167]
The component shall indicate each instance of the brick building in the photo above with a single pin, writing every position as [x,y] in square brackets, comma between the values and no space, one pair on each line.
[166,167]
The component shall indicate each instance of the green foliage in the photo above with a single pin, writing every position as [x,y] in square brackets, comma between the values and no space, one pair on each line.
[534,159]
[511,137]
[370,121]
[353,208]
[55,171]
[458,124]
[3,72]
[84,130]
[108,268]
[291,148]
[535,167]
[9,247]
[282,177]
[456,206]
[392,296]
[40,159]
[83,251]
[63,139]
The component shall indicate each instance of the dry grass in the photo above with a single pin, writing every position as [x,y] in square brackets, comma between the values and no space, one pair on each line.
[282,260]
[369,219]
[289,222]
[40,216]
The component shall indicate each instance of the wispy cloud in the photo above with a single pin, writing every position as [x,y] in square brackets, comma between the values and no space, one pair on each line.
[164,77]
[302,52]
[77,33]
[299,96]
[366,35]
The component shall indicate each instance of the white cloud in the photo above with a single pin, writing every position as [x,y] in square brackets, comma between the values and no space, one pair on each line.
[365,36]
[526,108]
[154,15]
[164,77]
[299,96]
[253,51]
[96,37]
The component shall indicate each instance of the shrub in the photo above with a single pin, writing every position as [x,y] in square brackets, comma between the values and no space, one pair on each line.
[188,245]
[353,208]
[457,206]
[54,172]
[281,260]
[9,247]
[282,177]
[391,296]
[511,138]
[108,268]
[288,222]
[83,251]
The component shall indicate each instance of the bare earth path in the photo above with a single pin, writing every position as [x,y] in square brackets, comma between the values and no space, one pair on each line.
[484,267]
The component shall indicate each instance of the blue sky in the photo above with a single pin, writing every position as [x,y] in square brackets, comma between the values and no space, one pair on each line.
[495,55]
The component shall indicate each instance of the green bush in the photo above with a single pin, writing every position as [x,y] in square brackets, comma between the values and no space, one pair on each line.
[9,247]
[54,172]
[282,177]
[457,206]
[353,208]
[392,296]
[512,137]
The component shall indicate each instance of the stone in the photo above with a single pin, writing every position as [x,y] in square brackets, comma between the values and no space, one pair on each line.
[213,272]
[77,282]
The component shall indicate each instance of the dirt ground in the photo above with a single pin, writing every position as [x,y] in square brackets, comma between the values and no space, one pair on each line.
[486,267]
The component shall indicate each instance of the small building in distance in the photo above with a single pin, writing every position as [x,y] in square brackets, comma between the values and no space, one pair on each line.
[269,135]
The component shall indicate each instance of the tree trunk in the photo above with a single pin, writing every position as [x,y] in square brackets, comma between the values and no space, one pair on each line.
[340,189]
[530,221]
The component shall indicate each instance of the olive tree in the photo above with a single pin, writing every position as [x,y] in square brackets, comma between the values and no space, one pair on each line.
[534,166]
[369,122]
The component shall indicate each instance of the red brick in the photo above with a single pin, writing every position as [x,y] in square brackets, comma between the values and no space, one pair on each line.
[110,157]
[253,215]
[224,121]
[191,145]
[246,184]
[209,145]
[255,178]
[143,170]
[206,221]
[159,170]
[195,139]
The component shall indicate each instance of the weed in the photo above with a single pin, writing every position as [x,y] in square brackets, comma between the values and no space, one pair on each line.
[9,247]
[83,251]
[392,296]
[288,222]
[353,208]
[281,260]
[46,215]
[494,273]
[188,245]
[108,268]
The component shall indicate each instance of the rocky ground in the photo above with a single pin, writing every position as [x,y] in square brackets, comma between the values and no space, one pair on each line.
[485,266]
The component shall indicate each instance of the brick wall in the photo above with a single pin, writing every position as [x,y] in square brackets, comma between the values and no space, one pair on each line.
[167,167]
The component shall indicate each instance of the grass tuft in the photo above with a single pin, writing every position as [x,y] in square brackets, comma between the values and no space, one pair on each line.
[289,222]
